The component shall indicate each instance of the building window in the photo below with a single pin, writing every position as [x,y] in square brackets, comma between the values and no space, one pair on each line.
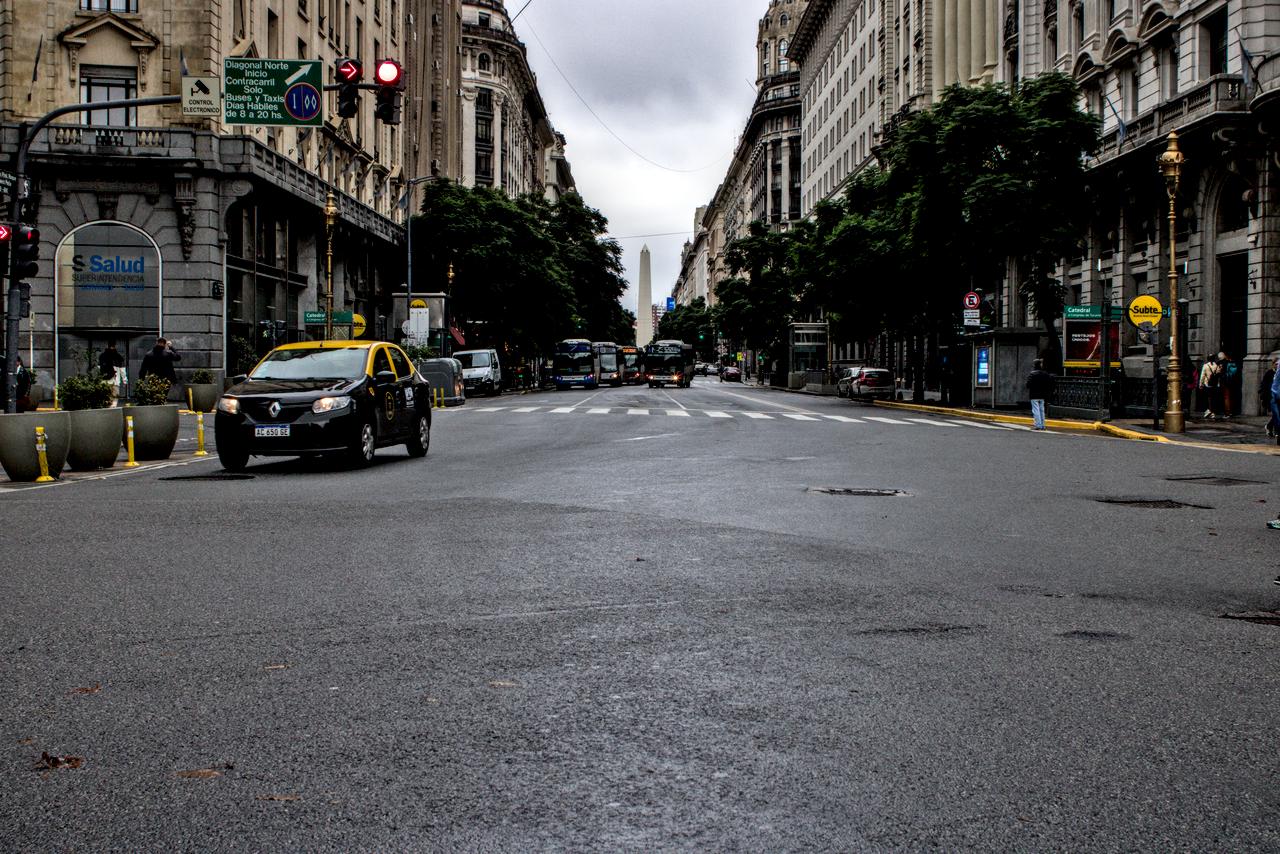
[1077,20]
[484,100]
[485,20]
[485,63]
[484,167]
[484,129]
[1169,68]
[108,83]
[109,5]
[1214,34]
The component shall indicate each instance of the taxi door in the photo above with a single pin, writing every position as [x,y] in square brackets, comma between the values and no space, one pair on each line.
[386,398]
[404,390]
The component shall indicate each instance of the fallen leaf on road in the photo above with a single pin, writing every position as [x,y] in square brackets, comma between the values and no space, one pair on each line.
[200,774]
[92,689]
[501,684]
[27,741]
[49,763]
[279,797]
[276,667]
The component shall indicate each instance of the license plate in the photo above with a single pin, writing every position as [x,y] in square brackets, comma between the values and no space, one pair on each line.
[271,432]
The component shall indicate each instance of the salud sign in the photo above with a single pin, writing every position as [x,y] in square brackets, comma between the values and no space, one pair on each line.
[276,92]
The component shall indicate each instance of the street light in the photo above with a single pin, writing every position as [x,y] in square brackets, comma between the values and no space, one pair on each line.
[1170,163]
[408,231]
[330,220]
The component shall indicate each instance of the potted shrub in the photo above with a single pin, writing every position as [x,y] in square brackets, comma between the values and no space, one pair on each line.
[95,425]
[202,391]
[155,422]
[18,454]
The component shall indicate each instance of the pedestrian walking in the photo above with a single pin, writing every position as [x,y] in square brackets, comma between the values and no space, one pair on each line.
[1210,388]
[109,360]
[160,362]
[1275,401]
[22,393]
[1040,388]
[1228,379]
[1264,399]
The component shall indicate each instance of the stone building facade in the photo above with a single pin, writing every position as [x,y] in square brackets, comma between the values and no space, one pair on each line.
[157,223]
[507,139]
[1208,71]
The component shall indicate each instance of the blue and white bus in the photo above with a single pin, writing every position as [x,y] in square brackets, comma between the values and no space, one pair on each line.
[575,363]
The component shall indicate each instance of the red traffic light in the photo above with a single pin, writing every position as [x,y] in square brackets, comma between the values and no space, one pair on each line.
[388,73]
[350,70]
[5,232]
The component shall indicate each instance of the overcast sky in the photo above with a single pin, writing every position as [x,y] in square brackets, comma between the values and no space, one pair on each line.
[675,79]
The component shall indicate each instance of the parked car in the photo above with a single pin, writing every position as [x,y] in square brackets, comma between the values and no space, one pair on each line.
[444,375]
[731,374]
[843,380]
[870,384]
[325,397]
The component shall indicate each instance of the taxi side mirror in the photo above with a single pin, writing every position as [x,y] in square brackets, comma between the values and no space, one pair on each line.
[239,378]
[384,377]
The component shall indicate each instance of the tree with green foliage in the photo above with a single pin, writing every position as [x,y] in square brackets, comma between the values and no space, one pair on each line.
[693,324]
[755,306]
[526,272]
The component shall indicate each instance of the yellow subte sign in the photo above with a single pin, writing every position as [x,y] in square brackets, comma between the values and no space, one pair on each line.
[1145,309]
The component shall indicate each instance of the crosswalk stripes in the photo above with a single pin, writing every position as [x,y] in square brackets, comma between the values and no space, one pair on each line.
[719,414]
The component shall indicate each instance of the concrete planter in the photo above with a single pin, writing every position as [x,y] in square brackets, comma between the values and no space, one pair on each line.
[204,396]
[18,443]
[95,438]
[155,430]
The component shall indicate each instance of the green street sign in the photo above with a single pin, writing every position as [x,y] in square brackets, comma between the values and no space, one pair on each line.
[275,92]
[316,318]
[1090,312]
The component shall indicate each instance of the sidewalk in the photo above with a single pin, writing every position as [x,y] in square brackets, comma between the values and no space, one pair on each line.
[1244,433]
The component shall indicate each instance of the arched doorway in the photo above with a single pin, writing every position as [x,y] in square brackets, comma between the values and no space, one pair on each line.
[108,287]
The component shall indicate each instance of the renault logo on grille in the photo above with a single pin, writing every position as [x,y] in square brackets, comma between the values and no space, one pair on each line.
[274,409]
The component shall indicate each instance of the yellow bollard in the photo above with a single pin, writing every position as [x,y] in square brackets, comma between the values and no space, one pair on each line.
[200,451]
[190,403]
[132,463]
[44,459]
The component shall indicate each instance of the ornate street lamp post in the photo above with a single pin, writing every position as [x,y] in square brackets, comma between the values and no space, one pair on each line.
[330,220]
[1170,162]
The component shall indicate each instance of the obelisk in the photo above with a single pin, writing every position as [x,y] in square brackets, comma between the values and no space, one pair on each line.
[644,301]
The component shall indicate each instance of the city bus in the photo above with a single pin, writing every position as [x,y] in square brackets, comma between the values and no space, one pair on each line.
[610,364]
[575,363]
[632,364]
[669,363]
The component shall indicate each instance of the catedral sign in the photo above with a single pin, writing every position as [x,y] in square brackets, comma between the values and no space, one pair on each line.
[108,277]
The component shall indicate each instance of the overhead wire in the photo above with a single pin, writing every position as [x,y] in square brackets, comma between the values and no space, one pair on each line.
[602,122]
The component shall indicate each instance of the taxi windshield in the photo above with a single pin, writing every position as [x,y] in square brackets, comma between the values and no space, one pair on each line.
[313,364]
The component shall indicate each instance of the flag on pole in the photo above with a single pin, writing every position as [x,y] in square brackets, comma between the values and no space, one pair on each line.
[1250,80]
[182,62]
[35,65]
[1122,129]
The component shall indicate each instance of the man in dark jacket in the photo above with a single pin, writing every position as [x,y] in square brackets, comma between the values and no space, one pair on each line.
[160,361]
[1040,388]
[109,360]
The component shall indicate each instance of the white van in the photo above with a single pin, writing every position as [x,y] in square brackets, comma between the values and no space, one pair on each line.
[481,371]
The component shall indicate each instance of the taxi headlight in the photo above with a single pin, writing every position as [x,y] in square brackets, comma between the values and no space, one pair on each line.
[330,404]
[229,405]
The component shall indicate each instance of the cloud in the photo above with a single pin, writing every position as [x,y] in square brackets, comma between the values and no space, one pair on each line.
[674,79]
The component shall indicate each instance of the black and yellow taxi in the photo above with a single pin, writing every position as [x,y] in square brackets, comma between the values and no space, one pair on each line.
[325,397]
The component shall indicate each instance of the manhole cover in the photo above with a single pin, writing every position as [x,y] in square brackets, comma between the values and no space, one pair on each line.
[1152,503]
[227,476]
[1210,480]
[1266,618]
[856,491]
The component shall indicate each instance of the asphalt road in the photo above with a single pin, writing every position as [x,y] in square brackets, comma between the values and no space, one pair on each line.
[629,620]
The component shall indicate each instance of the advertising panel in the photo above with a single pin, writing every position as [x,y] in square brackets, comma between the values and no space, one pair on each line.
[1082,344]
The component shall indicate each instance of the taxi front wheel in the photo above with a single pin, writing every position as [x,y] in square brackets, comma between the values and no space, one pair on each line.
[234,457]
[366,442]
[420,440]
